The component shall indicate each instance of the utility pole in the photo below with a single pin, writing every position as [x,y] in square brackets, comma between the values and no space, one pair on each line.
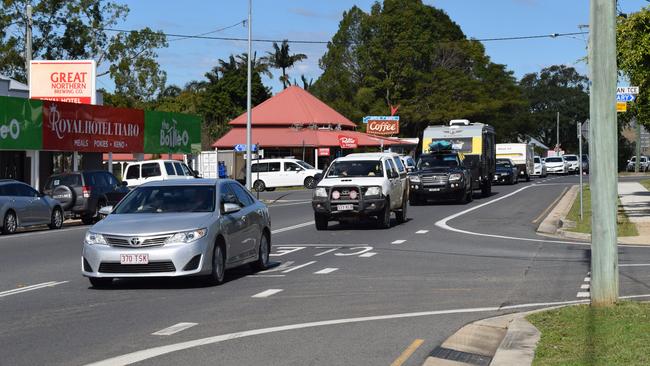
[557,131]
[603,143]
[248,102]
[28,41]
[638,145]
[579,125]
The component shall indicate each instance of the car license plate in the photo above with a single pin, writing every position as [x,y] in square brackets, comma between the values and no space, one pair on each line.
[345,207]
[434,189]
[134,258]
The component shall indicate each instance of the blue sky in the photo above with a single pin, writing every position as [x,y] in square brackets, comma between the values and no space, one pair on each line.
[187,60]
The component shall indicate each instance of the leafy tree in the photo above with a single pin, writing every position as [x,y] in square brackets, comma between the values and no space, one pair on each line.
[77,29]
[413,55]
[555,89]
[282,59]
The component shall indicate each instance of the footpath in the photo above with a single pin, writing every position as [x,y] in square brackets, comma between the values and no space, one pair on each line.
[510,340]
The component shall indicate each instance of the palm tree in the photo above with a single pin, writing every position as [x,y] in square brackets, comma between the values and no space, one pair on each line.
[260,66]
[281,59]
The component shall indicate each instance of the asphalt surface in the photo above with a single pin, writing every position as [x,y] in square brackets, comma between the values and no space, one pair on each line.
[421,280]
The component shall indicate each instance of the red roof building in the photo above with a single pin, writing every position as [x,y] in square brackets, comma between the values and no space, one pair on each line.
[295,123]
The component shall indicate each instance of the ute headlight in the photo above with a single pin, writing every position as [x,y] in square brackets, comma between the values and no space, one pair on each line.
[95,239]
[187,236]
[373,191]
[414,178]
[455,177]
[320,192]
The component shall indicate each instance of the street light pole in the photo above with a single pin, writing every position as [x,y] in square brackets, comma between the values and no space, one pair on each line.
[603,145]
[248,102]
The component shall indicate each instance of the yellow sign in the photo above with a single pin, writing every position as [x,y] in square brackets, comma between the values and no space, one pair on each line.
[621,106]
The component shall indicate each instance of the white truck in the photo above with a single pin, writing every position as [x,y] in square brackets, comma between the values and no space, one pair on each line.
[522,155]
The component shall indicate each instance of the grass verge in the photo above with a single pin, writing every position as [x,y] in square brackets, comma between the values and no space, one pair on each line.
[646,183]
[592,336]
[625,227]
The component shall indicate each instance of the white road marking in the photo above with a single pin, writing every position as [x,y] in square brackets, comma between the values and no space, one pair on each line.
[359,251]
[422,231]
[326,270]
[279,268]
[582,294]
[267,293]
[282,250]
[289,228]
[367,255]
[327,251]
[398,241]
[298,267]
[584,287]
[587,279]
[31,288]
[634,265]
[174,329]
[289,204]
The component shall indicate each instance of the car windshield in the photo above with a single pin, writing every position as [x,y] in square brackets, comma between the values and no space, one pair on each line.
[503,164]
[553,160]
[73,180]
[351,168]
[165,199]
[571,158]
[304,165]
[436,161]
[537,160]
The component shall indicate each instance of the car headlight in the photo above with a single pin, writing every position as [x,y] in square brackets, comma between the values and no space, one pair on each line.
[373,191]
[187,236]
[320,192]
[455,177]
[95,239]
[414,178]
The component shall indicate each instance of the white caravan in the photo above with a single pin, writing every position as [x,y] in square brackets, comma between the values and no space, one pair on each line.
[520,154]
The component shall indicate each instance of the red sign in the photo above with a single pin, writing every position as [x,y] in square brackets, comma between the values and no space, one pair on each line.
[89,128]
[323,151]
[383,127]
[347,142]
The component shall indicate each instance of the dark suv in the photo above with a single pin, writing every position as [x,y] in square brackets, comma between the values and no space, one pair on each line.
[82,194]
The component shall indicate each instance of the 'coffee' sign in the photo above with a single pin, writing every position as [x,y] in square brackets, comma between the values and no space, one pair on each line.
[86,128]
[347,142]
[383,127]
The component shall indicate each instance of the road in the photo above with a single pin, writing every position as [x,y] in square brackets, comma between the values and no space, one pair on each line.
[352,295]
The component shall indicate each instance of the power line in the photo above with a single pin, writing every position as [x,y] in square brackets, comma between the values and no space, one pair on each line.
[211,32]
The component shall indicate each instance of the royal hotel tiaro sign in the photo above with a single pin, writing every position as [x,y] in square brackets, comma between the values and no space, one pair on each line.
[70,81]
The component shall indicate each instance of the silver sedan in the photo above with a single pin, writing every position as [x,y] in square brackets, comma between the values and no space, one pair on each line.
[22,206]
[178,228]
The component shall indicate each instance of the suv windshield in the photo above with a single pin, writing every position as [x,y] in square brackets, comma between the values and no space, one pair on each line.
[168,199]
[438,160]
[554,160]
[537,160]
[347,168]
[571,158]
[503,164]
[73,180]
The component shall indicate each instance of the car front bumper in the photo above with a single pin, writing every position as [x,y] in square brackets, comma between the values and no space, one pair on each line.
[502,178]
[169,260]
[448,191]
[556,170]
[362,207]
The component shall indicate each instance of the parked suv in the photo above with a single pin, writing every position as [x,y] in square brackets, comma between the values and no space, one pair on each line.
[362,185]
[141,172]
[269,174]
[643,164]
[573,162]
[21,206]
[82,194]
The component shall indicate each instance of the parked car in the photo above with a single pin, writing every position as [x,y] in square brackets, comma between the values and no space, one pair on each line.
[540,167]
[199,227]
[83,194]
[644,164]
[556,165]
[268,174]
[362,185]
[23,206]
[573,162]
[585,163]
[140,172]
[409,163]
[507,172]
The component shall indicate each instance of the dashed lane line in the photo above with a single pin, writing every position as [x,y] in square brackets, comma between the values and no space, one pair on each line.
[422,231]
[584,286]
[367,255]
[298,267]
[326,271]
[634,265]
[31,288]
[397,242]
[583,294]
[267,293]
[174,329]
[293,227]
[327,251]
[587,279]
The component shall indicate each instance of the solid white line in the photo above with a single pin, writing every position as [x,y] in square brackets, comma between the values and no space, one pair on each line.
[367,255]
[298,226]
[31,288]
[267,293]
[174,329]
[587,279]
[422,231]
[634,265]
[398,241]
[326,270]
[289,204]
[327,251]
[584,287]
[582,294]
[298,267]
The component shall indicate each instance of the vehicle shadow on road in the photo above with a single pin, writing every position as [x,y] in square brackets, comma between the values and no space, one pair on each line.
[362,224]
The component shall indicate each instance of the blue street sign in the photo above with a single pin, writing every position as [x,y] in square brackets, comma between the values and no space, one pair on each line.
[380,118]
[242,147]
[625,97]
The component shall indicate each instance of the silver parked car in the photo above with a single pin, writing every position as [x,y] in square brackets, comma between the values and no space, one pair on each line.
[198,227]
[22,206]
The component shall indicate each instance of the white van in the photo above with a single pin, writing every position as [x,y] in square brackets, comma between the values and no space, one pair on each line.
[522,155]
[268,174]
[140,172]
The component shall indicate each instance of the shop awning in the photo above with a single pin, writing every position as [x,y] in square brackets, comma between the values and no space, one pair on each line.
[131,157]
[268,137]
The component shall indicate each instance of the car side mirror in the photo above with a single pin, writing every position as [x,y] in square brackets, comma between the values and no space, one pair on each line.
[318,176]
[124,183]
[394,175]
[229,208]
[106,210]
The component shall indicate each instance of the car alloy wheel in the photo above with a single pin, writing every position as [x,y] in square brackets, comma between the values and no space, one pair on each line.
[401,214]
[259,186]
[218,266]
[57,219]
[10,223]
[310,183]
[262,261]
